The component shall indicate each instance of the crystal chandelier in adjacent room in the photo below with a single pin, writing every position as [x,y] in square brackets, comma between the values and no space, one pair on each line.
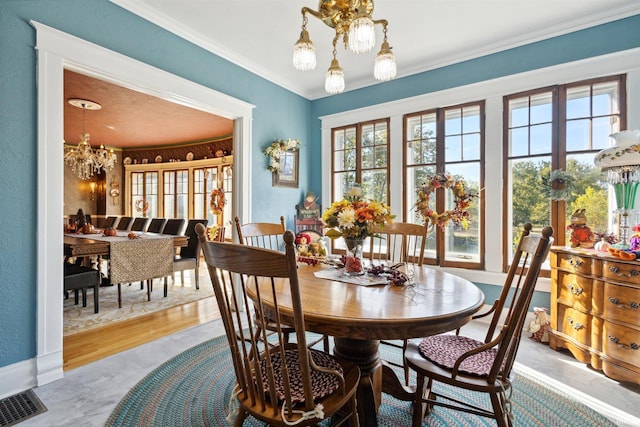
[83,159]
[352,21]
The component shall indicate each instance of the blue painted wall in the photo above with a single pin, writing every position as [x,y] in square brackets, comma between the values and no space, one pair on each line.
[278,114]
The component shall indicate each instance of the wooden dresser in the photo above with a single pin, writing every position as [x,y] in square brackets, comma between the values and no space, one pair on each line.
[595,310]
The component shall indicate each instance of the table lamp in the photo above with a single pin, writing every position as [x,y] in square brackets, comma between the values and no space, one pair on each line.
[620,166]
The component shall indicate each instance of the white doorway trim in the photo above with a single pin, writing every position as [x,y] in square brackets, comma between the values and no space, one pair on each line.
[58,51]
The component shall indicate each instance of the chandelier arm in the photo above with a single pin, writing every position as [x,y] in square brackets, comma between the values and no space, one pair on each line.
[382,22]
[312,12]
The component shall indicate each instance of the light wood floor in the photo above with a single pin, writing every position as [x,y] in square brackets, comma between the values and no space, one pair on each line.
[86,347]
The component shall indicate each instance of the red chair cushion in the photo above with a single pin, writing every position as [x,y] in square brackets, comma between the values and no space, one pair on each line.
[322,384]
[444,350]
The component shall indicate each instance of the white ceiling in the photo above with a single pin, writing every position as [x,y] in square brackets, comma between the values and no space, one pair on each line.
[425,34]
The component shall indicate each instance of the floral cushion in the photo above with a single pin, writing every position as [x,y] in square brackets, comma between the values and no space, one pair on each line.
[322,384]
[444,350]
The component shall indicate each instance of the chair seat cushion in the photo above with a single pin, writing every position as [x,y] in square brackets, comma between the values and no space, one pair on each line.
[444,350]
[322,384]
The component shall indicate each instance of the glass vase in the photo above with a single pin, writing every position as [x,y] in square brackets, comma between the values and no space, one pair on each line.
[353,261]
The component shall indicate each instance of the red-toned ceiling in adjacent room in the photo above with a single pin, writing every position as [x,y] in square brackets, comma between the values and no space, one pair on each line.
[133,119]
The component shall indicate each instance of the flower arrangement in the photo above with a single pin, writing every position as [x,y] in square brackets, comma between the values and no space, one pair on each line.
[354,217]
[275,150]
[459,215]
[212,232]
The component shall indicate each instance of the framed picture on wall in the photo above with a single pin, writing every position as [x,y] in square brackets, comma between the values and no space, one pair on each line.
[288,175]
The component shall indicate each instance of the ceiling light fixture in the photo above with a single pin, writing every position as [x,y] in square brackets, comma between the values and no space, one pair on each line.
[352,21]
[84,160]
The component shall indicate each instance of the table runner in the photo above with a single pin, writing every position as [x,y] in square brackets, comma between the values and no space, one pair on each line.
[139,259]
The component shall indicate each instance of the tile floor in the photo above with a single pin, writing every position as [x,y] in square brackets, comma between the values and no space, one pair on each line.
[87,395]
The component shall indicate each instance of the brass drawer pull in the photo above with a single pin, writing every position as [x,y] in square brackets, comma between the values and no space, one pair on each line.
[575,289]
[615,270]
[575,262]
[575,325]
[631,346]
[629,306]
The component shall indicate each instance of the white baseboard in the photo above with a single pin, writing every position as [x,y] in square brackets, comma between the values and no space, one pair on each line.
[17,378]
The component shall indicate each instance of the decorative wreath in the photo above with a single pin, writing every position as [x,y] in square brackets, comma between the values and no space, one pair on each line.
[560,185]
[275,150]
[142,205]
[217,201]
[462,200]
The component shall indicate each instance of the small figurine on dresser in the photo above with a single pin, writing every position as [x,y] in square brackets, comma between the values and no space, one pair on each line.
[634,241]
[581,234]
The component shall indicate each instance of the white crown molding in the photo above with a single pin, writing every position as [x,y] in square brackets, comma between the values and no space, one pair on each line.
[147,12]
[196,38]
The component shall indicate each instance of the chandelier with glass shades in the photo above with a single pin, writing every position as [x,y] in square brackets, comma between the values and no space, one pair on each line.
[352,21]
[83,159]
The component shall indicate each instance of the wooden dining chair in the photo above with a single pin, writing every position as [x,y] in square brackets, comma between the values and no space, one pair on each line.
[282,384]
[261,234]
[393,244]
[481,366]
[268,235]
[397,242]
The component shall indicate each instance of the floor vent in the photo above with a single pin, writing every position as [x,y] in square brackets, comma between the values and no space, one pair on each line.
[19,407]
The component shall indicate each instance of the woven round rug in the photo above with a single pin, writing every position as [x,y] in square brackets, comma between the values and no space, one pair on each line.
[194,389]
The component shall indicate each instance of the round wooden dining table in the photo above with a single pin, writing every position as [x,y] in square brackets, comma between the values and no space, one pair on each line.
[359,316]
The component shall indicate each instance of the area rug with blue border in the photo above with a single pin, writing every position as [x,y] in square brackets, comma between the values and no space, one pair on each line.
[194,389]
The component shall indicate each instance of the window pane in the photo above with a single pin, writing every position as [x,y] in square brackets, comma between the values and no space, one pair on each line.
[471,119]
[471,144]
[461,244]
[605,99]
[151,193]
[541,108]
[519,142]
[541,139]
[579,102]
[518,112]
[527,196]
[602,128]
[453,122]
[374,185]
[453,149]
[169,194]
[578,135]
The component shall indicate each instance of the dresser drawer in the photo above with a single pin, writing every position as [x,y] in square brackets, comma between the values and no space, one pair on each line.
[621,343]
[574,262]
[622,272]
[574,291]
[575,324]
[621,303]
